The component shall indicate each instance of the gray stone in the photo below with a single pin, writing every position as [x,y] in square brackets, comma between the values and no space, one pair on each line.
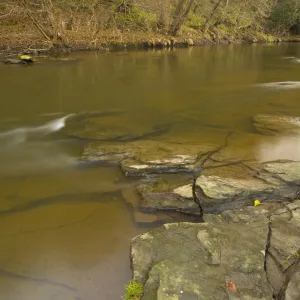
[175,164]
[233,189]
[15,61]
[273,125]
[293,288]
[219,188]
[285,170]
[190,42]
[140,158]
[194,261]
[285,240]
[167,202]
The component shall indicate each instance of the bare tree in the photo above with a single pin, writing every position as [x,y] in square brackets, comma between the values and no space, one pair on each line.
[182,11]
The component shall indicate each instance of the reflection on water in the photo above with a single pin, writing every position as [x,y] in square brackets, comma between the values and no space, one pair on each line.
[64,236]
[285,147]
[65,229]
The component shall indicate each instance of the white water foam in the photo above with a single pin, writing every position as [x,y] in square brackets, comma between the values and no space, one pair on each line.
[25,150]
[282,85]
[20,135]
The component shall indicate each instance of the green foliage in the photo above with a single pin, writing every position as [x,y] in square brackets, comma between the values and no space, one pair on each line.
[223,18]
[195,21]
[134,291]
[285,14]
[224,28]
[135,19]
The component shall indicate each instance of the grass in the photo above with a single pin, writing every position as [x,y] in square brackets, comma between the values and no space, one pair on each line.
[134,291]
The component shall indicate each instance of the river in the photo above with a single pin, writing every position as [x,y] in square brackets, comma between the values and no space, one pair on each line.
[65,227]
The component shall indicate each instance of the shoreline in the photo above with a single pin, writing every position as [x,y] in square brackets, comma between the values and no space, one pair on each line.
[33,43]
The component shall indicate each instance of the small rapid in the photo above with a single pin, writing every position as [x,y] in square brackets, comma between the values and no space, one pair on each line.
[23,134]
[32,151]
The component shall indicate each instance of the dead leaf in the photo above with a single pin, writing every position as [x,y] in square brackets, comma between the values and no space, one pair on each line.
[230,286]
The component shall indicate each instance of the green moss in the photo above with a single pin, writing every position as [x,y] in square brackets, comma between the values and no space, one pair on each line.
[134,291]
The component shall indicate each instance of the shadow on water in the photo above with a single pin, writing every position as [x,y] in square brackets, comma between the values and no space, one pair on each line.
[93,197]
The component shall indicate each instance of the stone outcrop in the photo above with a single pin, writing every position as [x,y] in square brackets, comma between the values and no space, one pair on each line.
[223,258]
[144,157]
[223,183]
[268,182]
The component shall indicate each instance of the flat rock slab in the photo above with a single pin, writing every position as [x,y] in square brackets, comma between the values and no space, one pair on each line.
[285,240]
[293,288]
[287,171]
[110,126]
[145,157]
[274,125]
[202,261]
[268,183]
[195,261]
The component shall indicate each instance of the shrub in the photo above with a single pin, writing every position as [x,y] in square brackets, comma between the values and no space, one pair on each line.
[135,18]
[285,14]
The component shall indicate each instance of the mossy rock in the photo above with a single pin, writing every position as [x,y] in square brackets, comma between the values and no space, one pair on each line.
[15,61]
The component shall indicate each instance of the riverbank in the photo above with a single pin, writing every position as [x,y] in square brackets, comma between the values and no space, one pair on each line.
[14,39]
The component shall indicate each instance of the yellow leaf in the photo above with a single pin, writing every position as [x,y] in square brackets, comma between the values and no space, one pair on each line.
[257,202]
[25,57]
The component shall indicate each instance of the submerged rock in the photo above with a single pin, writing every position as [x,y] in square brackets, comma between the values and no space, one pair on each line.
[285,171]
[148,156]
[110,126]
[273,125]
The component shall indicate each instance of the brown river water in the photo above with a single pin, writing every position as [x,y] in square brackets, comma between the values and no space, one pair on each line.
[65,228]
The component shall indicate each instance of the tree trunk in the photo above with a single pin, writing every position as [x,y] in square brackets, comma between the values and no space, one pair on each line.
[182,11]
[206,25]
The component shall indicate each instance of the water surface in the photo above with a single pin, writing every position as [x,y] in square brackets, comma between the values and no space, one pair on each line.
[65,227]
